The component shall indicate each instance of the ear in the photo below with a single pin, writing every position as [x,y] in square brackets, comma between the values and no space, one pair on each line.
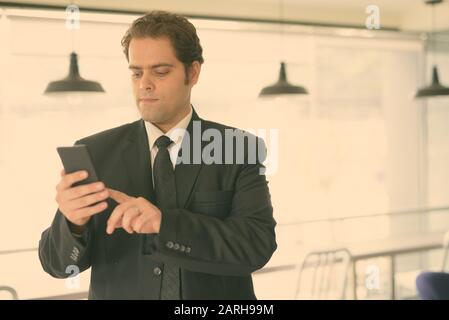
[194,72]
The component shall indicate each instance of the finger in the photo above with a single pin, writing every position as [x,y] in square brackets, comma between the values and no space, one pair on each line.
[90,211]
[81,191]
[71,178]
[117,215]
[87,200]
[128,217]
[139,223]
[118,196]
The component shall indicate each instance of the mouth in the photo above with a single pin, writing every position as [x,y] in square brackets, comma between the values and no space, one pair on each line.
[147,99]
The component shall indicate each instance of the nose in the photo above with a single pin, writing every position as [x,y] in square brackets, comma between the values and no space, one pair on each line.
[146,83]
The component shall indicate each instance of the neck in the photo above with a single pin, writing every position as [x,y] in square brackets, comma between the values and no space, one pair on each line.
[165,127]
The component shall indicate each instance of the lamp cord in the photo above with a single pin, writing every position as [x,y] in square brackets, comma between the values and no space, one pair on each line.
[432,37]
[281,20]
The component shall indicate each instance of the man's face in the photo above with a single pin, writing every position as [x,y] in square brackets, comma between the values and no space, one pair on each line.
[159,81]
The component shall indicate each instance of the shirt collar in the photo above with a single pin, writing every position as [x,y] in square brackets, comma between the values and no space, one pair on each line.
[175,134]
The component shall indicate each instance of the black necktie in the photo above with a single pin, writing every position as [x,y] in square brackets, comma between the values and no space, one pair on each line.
[165,188]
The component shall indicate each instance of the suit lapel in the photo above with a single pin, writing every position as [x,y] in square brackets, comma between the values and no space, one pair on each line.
[136,155]
[187,173]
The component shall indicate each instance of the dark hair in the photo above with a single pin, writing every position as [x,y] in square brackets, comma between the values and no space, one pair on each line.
[181,33]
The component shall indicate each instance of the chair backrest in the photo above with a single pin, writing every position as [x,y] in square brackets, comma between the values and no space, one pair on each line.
[323,274]
[445,251]
[11,291]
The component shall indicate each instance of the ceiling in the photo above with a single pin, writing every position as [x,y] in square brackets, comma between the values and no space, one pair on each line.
[407,15]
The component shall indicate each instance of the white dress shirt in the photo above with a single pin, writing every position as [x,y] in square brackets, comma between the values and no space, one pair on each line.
[176,134]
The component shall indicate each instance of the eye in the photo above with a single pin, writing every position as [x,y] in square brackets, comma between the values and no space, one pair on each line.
[161,72]
[136,75]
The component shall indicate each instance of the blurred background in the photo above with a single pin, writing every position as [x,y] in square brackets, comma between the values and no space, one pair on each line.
[358,167]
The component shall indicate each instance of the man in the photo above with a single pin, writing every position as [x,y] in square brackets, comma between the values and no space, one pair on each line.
[165,222]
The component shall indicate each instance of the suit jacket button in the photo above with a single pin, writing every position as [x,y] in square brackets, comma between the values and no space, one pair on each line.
[169,244]
[157,271]
[176,246]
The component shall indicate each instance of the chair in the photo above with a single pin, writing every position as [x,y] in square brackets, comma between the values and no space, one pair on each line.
[11,291]
[435,285]
[329,274]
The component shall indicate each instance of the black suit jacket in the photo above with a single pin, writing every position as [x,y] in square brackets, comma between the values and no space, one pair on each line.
[221,232]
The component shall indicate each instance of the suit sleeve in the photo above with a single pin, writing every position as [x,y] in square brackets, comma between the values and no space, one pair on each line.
[60,251]
[238,245]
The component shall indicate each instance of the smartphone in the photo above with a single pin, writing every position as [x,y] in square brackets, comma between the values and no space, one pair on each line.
[76,158]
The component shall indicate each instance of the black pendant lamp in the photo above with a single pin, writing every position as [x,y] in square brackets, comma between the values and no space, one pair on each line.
[73,82]
[435,88]
[282,86]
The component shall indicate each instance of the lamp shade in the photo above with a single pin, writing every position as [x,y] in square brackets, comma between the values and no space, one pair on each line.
[73,82]
[435,88]
[282,86]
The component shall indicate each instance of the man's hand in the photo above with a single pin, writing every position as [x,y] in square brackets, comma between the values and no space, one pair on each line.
[75,202]
[133,214]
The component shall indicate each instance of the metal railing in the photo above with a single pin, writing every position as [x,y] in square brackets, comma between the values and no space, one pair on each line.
[11,290]
[369,215]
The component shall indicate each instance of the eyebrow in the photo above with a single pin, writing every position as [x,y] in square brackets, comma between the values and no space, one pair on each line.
[154,66]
